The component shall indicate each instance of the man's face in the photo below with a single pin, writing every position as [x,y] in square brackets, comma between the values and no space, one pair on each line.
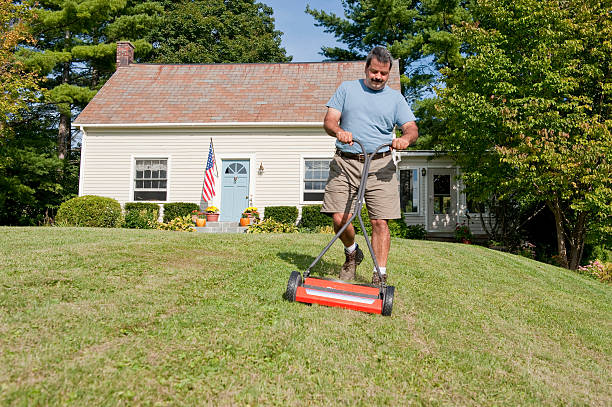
[377,74]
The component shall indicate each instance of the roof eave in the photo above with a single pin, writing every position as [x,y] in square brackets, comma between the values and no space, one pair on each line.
[318,124]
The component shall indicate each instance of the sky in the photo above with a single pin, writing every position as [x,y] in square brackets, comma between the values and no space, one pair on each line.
[300,37]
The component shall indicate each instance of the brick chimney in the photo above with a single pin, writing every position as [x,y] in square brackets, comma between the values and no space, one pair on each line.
[125,53]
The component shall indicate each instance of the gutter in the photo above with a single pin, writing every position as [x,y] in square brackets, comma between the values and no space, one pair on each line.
[205,125]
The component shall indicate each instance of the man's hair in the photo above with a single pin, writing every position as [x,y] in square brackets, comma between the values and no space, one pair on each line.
[380,53]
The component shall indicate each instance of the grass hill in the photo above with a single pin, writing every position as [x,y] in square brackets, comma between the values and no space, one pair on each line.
[134,317]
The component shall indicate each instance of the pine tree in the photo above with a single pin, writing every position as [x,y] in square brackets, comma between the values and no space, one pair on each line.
[75,50]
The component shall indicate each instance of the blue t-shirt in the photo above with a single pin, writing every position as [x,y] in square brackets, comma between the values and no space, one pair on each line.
[369,114]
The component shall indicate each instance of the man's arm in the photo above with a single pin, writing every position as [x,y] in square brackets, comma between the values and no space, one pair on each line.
[410,133]
[331,126]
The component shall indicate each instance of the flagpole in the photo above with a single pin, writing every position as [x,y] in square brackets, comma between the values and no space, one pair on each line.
[213,150]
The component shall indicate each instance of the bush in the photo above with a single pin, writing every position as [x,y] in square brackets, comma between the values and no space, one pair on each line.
[282,214]
[89,210]
[140,215]
[312,218]
[397,227]
[416,232]
[178,210]
[181,224]
[272,226]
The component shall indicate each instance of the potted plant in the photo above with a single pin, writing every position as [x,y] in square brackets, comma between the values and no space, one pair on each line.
[201,219]
[244,219]
[251,213]
[194,215]
[212,214]
[463,234]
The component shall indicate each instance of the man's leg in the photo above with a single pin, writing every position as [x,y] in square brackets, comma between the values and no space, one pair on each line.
[352,252]
[348,236]
[381,243]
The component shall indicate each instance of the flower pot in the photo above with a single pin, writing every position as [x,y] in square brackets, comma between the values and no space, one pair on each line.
[245,221]
[200,222]
[194,218]
[212,217]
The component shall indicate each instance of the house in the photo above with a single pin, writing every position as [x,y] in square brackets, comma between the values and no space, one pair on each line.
[146,137]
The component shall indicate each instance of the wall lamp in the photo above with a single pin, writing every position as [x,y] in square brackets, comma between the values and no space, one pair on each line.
[423,171]
[260,171]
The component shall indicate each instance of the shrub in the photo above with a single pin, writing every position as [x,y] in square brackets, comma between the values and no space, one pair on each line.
[598,270]
[463,233]
[312,218]
[416,232]
[178,210]
[140,215]
[272,226]
[181,223]
[282,214]
[397,227]
[89,210]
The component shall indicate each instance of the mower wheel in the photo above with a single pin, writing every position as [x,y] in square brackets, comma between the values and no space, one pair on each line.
[295,280]
[388,300]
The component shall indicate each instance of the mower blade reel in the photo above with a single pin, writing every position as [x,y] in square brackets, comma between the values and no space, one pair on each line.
[340,294]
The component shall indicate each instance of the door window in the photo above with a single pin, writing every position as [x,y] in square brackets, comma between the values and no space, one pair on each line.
[442,194]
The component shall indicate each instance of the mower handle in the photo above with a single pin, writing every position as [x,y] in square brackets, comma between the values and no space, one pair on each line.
[357,212]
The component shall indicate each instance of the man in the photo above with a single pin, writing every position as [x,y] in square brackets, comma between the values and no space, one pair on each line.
[368,111]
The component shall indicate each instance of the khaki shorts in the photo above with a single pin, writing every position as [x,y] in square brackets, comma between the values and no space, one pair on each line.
[382,189]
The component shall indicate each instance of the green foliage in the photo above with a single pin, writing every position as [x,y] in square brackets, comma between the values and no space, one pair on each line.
[212,31]
[528,111]
[463,233]
[312,218]
[75,50]
[179,224]
[140,215]
[416,232]
[272,226]
[91,211]
[282,214]
[17,86]
[414,32]
[179,209]
[397,227]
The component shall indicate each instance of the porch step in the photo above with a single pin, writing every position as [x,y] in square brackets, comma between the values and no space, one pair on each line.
[222,227]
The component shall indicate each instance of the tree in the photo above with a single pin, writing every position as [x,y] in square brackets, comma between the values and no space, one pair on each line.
[75,50]
[217,31]
[528,110]
[418,33]
[17,86]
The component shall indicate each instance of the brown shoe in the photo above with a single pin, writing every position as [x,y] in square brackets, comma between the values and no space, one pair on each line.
[351,263]
[376,279]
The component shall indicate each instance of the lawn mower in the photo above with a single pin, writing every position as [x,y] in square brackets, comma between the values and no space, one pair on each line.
[336,293]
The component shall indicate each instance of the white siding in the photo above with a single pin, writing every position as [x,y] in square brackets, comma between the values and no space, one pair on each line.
[109,155]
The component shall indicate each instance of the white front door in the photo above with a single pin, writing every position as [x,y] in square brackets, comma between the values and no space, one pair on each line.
[442,191]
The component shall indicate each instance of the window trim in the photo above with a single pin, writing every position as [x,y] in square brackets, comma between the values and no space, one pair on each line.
[132,176]
[303,158]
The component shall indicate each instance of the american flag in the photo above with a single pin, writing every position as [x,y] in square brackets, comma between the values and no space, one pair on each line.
[209,181]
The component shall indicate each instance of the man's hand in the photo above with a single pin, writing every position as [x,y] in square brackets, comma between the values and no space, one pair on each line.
[400,143]
[345,137]
[330,124]
[410,132]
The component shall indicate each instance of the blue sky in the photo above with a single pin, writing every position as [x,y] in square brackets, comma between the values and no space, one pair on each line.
[300,37]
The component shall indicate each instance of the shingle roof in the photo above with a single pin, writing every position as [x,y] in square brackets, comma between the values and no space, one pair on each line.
[221,93]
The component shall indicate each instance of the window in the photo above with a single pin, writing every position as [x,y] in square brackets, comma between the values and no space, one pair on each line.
[409,190]
[316,172]
[151,180]
[442,194]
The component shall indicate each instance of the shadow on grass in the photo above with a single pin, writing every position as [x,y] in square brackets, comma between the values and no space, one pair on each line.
[321,269]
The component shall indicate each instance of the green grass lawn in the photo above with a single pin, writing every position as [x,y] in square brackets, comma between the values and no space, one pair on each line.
[133,317]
